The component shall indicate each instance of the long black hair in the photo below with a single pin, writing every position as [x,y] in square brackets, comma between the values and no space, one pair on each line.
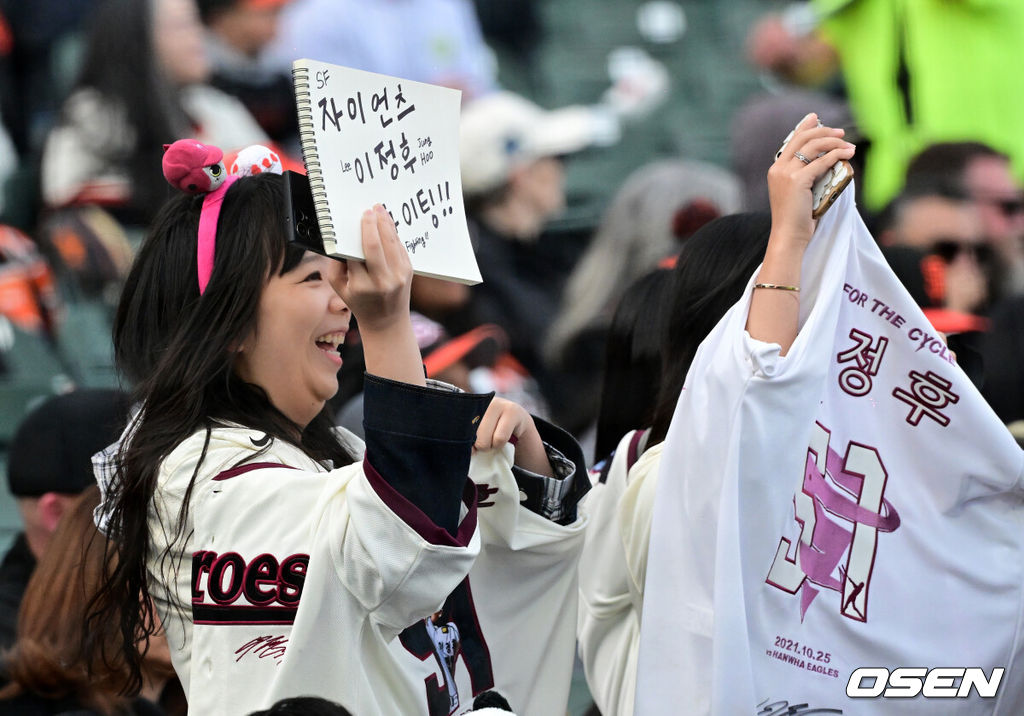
[120,64]
[179,347]
[632,360]
[714,267]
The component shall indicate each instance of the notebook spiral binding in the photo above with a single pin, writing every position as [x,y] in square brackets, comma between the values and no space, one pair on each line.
[307,140]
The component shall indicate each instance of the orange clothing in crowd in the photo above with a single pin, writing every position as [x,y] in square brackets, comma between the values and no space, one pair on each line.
[28,295]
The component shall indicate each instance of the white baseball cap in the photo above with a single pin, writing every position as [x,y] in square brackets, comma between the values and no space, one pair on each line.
[501,130]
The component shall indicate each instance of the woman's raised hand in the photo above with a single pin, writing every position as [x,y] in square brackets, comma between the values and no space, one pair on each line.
[810,153]
[505,421]
[377,289]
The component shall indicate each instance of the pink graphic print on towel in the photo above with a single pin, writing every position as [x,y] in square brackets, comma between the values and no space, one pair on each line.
[841,508]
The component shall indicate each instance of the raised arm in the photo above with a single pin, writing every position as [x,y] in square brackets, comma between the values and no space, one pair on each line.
[377,291]
[774,312]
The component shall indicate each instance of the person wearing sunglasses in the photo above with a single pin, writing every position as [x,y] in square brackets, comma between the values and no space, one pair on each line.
[935,243]
[982,175]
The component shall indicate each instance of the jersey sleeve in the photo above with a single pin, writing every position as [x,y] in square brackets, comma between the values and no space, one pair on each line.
[555,497]
[524,582]
[418,445]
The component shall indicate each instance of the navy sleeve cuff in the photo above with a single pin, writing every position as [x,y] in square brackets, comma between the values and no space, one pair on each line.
[555,498]
[415,518]
[419,440]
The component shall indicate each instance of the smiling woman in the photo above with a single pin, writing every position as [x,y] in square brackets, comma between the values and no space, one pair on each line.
[298,308]
[282,555]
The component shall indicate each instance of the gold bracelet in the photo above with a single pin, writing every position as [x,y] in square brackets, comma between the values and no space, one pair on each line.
[778,286]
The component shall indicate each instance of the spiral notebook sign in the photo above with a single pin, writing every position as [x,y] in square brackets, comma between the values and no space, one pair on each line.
[369,138]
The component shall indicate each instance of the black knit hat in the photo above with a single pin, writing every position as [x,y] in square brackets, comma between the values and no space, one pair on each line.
[53,446]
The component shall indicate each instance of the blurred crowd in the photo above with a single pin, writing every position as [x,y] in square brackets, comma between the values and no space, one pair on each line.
[581,186]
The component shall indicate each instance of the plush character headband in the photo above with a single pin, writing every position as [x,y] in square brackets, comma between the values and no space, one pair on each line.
[197,168]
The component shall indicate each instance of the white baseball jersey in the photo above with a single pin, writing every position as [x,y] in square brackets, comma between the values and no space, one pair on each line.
[613,567]
[293,581]
[854,504]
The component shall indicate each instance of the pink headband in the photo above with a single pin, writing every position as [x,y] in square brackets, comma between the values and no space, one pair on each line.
[197,168]
[208,231]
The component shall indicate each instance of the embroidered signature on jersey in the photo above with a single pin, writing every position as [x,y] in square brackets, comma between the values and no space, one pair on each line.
[227,589]
[782,708]
[840,508]
[268,646]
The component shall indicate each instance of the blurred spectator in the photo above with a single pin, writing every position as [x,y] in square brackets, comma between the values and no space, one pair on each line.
[142,85]
[935,246]
[238,34]
[89,251]
[477,361]
[976,172]
[908,86]
[787,44]
[1002,348]
[436,41]
[28,295]
[49,465]
[46,667]
[513,183]
[657,208]
[944,236]
[38,42]
[762,123]
[513,30]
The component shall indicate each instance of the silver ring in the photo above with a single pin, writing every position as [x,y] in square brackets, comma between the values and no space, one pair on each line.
[801,157]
